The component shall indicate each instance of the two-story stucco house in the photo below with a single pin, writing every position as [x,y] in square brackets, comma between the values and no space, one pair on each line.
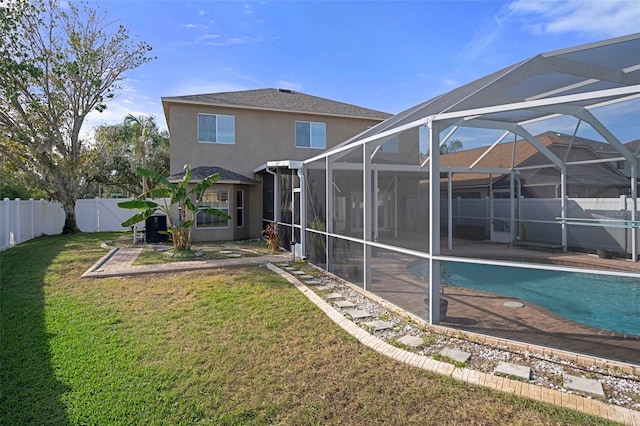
[233,133]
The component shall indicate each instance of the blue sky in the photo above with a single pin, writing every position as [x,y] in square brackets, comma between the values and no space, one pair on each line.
[385,55]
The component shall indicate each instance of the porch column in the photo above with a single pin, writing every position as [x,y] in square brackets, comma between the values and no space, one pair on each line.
[563,206]
[303,210]
[375,205]
[367,195]
[329,197]
[450,208]
[434,222]
[512,207]
[634,209]
[276,196]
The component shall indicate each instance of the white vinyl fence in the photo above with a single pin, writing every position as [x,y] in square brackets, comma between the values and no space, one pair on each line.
[22,220]
[592,223]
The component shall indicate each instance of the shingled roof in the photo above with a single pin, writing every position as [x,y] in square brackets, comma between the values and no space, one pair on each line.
[278,100]
[227,176]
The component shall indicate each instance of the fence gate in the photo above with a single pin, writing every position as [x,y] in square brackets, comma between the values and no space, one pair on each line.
[500,217]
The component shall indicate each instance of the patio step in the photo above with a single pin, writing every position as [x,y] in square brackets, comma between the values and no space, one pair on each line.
[409,340]
[456,355]
[514,370]
[582,384]
[379,325]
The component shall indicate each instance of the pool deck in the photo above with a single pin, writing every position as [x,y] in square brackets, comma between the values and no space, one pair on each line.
[529,327]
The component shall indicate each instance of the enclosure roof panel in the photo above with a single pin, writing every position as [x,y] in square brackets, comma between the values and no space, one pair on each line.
[609,64]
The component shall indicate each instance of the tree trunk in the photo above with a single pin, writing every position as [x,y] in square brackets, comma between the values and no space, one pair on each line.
[181,240]
[70,225]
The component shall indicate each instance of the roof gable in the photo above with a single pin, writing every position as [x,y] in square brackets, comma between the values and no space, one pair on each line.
[226,176]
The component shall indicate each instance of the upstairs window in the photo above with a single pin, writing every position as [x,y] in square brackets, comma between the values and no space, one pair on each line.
[213,128]
[311,135]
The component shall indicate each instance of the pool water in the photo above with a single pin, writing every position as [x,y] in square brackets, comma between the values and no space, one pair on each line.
[601,301]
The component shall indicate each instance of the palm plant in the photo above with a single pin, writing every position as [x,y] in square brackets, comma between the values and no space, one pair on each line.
[140,127]
[187,199]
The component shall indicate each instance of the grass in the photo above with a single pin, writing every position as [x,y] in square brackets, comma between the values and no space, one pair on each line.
[232,347]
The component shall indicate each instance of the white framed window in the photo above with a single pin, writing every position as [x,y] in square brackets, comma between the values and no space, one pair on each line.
[311,135]
[391,145]
[217,199]
[215,128]
[239,209]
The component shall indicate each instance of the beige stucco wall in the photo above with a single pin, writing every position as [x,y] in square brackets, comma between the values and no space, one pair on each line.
[261,136]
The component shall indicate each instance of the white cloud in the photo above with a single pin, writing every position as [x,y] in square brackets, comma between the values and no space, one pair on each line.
[209,36]
[594,18]
[483,37]
[608,18]
[228,41]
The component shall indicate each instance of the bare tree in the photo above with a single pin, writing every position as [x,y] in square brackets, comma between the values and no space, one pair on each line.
[57,64]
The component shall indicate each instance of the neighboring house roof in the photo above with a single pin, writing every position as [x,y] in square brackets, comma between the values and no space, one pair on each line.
[276,100]
[503,156]
[228,176]
[633,146]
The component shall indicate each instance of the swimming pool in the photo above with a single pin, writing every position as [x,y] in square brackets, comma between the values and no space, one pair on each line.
[601,301]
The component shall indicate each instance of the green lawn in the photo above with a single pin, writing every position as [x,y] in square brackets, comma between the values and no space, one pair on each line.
[232,347]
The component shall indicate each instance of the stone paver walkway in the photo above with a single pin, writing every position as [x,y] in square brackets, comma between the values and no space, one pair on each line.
[119,261]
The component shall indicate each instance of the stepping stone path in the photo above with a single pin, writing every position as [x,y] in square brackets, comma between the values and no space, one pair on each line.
[306,277]
[581,384]
[289,268]
[234,255]
[324,287]
[379,325]
[456,355]
[514,370]
[335,296]
[358,313]
[409,340]
[225,252]
[344,304]
[297,272]
[314,282]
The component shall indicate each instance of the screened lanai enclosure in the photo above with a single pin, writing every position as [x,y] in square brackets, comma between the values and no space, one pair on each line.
[519,187]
